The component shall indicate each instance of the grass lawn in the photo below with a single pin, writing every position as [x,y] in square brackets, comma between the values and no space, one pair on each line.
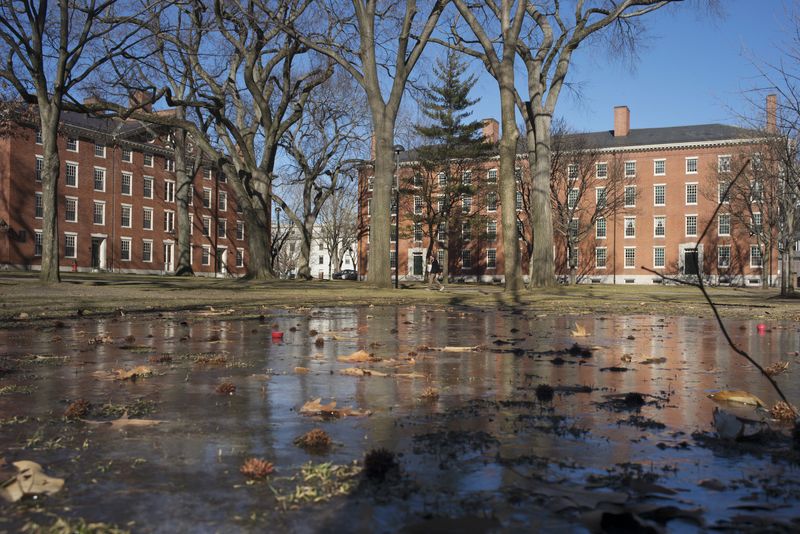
[103,294]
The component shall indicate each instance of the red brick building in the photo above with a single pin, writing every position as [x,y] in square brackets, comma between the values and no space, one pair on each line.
[669,182]
[116,202]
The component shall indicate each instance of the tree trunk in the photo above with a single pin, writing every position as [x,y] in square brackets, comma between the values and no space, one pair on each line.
[541,215]
[380,274]
[183,178]
[508,185]
[304,270]
[49,118]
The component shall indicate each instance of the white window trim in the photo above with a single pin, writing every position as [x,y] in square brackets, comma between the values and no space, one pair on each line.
[719,224]
[152,160]
[728,247]
[696,226]
[151,219]
[492,181]
[152,251]
[686,164]
[122,155]
[658,247]
[75,235]
[654,195]
[597,170]
[105,150]
[656,161]
[625,225]
[105,177]
[624,257]
[596,266]
[101,203]
[625,168]
[656,236]
[210,198]
[40,235]
[625,196]
[129,240]
[77,204]
[130,219]
[487,259]
[719,161]
[597,228]
[489,207]
[38,194]
[240,257]
[130,189]
[750,257]
[203,228]
[222,195]
[37,164]
[77,145]
[207,251]
[166,212]
[77,173]
[166,189]
[222,223]
[686,193]
[152,187]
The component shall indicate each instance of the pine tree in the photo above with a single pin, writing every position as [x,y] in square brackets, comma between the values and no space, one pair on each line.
[452,146]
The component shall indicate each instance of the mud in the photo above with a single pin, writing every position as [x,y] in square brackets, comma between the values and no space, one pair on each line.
[488,421]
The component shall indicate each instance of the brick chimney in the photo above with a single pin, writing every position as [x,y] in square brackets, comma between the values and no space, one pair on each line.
[491,130]
[137,98]
[622,121]
[772,114]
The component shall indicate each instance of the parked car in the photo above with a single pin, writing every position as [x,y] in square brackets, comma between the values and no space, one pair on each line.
[346,274]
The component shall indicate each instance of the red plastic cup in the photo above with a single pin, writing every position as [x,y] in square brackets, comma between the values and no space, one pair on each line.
[762,328]
[277,336]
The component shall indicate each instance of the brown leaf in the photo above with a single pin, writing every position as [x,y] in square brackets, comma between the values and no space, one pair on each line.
[777,368]
[357,371]
[579,331]
[358,356]
[124,422]
[315,407]
[741,397]
[301,370]
[29,480]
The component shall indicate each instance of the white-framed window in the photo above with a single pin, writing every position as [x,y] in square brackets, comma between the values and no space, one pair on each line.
[38,205]
[392,259]
[148,160]
[491,176]
[722,187]
[601,170]
[99,150]
[207,197]
[126,215]
[147,186]
[71,209]
[630,257]
[71,174]
[572,171]
[239,257]
[491,258]
[222,201]
[491,202]
[630,227]
[572,198]
[147,250]
[169,191]
[600,197]
[573,228]
[417,231]
[724,163]
[125,249]
[207,174]
[724,256]
[417,205]
[659,194]
[756,226]
[147,218]
[660,226]
[724,221]
[756,191]
[491,230]
[191,224]
[72,144]
[38,136]
[369,207]
[207,226]
[99,179]
[466,203]
[70,245]
[222,228]
[600,257]
[240,230]
[127,157]
[39,168]
[466,259]
[169,221]
[756,259]
[191,195]
[600,228]
[99,213]
[630,169]
[440,256]
[517,175]
[518,201]
[466,178]
[205,257]
[126,184]
[659,167]
[169,165]
[691,194]
[659,258]
[691,225]
[441,232]
[466,232]
[371,182]
[691,165]
[441,178]
[630,196]
[38,239]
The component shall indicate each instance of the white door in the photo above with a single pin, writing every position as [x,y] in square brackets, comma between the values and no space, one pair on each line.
[169,257]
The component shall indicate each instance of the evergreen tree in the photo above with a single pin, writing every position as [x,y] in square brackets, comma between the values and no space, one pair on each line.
[444,194]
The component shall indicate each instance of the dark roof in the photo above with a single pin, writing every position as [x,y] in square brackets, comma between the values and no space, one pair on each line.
[130,132]
[699,133]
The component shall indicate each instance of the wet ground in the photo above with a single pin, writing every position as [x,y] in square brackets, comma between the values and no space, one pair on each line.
[511,428]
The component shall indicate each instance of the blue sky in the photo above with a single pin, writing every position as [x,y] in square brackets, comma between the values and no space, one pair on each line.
[695,69]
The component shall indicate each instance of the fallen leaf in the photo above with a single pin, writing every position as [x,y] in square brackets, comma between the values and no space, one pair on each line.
[777,368]
[741,397]
[579,331]
[124,421]
[301,370]
[124,374]
[357,371]
[358,356]
[315,407]
[29,480]
[648,361]
[410,375]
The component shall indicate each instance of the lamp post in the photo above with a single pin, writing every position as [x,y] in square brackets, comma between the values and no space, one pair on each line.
[397,150]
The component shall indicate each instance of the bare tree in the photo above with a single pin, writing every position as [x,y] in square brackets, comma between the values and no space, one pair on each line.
[322,147]
[48,50]
[338,228]
[378,43]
